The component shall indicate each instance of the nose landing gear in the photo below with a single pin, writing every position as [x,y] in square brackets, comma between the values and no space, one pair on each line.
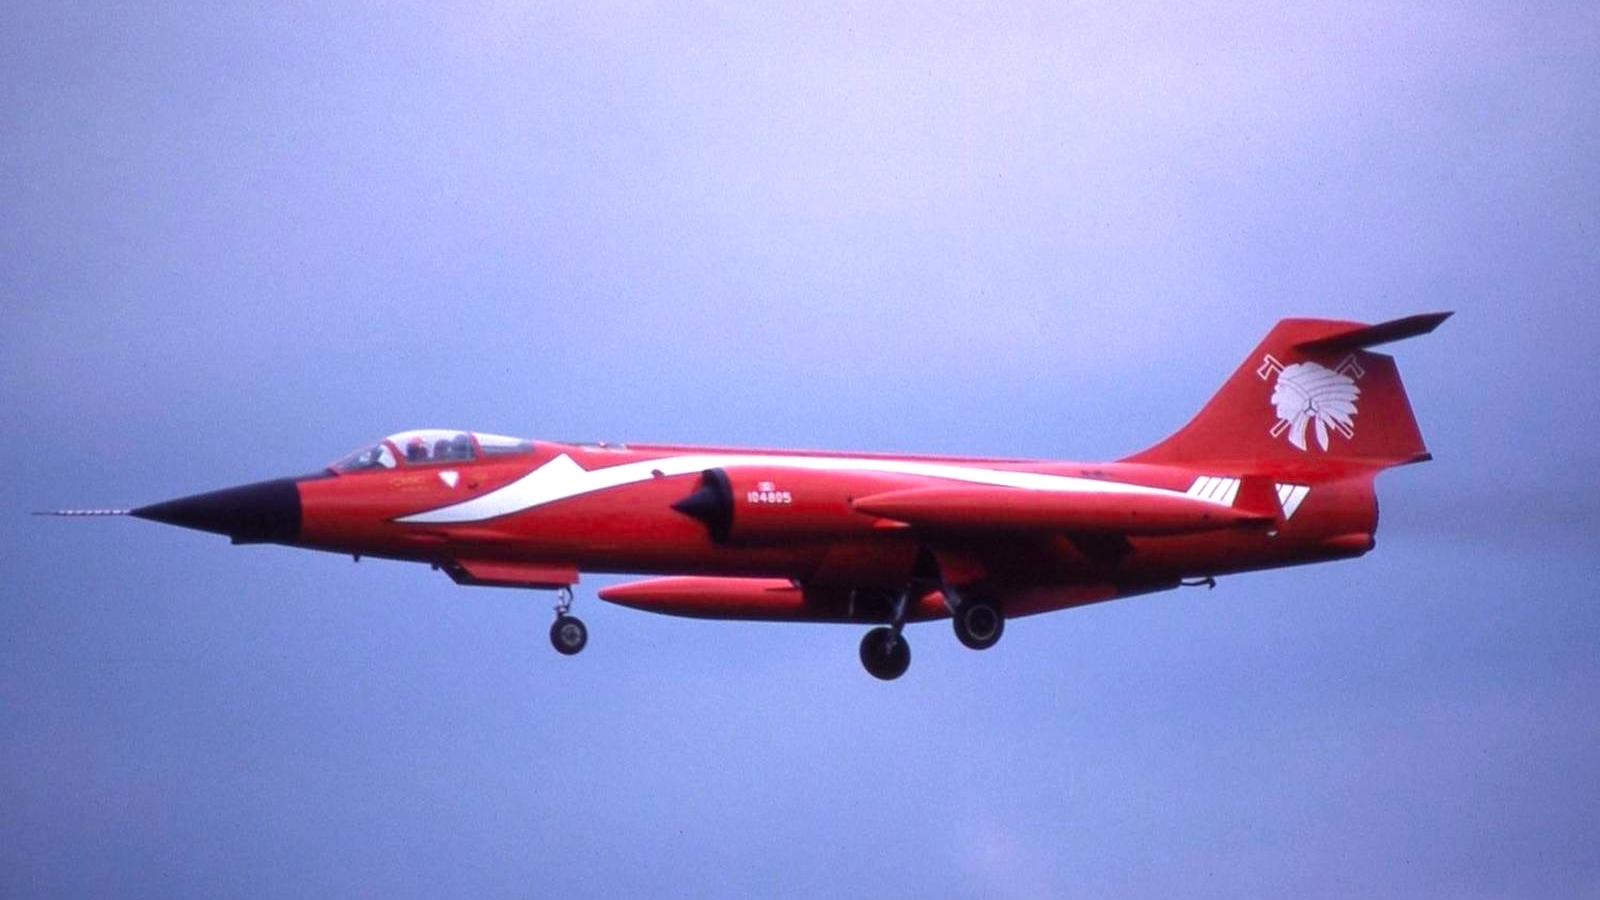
[568,634]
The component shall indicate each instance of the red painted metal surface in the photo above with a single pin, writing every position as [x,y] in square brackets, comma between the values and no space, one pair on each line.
[1277,469]
[1007,509]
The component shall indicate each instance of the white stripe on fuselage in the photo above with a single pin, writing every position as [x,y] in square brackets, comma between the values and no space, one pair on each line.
[562,478]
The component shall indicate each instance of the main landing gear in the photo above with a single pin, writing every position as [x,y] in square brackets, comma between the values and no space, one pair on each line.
[567,633]
[885,653]
[978,623]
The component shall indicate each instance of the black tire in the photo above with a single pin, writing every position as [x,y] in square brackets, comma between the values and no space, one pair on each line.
[885,655]
[979,624]
[568,635]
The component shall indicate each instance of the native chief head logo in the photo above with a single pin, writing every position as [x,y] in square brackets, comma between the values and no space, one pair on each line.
[1308,395]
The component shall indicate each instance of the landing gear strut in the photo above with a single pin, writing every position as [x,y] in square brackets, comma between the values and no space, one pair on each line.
[567,633]
[885,653]
[978,622]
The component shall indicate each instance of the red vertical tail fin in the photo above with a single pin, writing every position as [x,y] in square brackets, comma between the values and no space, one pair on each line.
[1311,391]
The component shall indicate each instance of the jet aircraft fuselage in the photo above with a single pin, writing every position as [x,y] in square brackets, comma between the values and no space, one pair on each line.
[1276,470]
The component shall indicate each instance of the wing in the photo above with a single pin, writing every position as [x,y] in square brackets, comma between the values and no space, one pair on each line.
[990,509]
[1034,550]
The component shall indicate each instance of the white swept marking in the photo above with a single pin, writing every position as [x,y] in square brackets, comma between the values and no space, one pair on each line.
[1215,488]
[1290,496]
[1229,493]
[562,478]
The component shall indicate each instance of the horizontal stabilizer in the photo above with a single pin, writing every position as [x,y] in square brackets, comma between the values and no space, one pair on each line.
[970,508]
[1366,336]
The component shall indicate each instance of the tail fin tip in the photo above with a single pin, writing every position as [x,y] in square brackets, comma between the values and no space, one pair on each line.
[1363,337]
[1312,389]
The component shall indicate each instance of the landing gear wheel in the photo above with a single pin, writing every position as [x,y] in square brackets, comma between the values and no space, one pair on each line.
[884,654]
[568,635]
[979,624]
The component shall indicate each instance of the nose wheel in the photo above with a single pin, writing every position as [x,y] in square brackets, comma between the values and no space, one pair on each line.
[568,634]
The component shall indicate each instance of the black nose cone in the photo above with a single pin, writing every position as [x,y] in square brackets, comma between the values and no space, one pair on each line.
[265,512]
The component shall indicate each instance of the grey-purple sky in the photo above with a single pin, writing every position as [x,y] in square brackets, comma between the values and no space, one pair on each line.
[240,240]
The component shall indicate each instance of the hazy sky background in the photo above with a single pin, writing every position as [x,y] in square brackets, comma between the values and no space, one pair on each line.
[241,240]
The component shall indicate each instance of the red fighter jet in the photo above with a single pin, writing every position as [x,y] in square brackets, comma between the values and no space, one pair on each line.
[1276,470]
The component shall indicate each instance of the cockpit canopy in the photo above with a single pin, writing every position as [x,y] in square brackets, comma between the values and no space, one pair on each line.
[431,445]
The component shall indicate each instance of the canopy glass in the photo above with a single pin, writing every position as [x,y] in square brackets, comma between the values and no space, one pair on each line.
[428,446]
